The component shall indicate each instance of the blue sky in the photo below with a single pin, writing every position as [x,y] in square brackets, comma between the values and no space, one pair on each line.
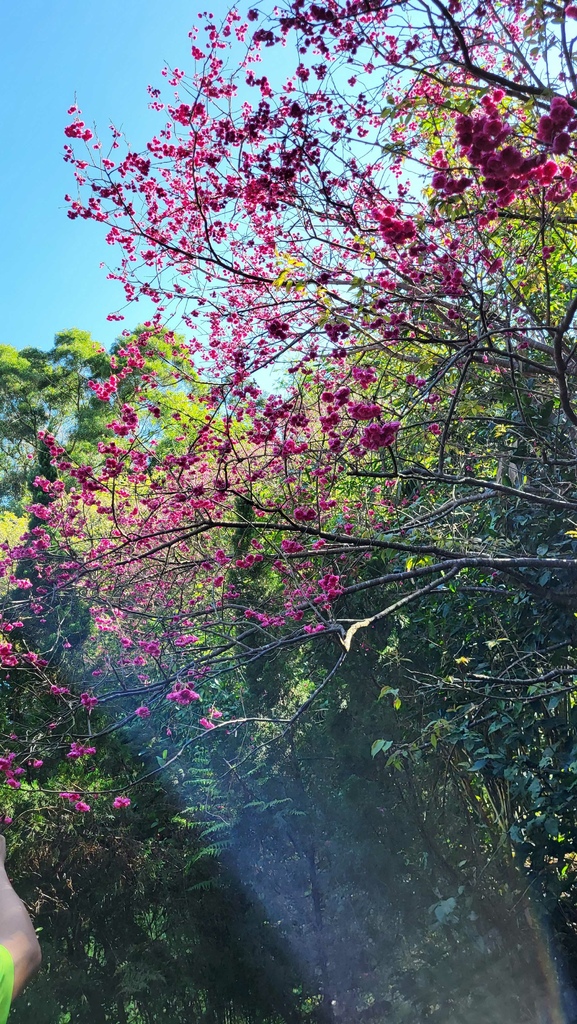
[105,54]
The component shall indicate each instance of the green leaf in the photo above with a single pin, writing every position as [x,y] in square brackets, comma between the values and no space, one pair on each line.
[388,689]
[379,745]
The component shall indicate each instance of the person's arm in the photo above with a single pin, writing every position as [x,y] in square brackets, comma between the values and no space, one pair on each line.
[16,930]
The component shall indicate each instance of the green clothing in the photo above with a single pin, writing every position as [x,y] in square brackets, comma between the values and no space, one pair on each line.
[6,983]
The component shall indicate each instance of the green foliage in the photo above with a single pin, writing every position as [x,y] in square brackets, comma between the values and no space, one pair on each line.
[46,390]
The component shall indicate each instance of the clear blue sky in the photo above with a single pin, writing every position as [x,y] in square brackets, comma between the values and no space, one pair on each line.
[106,53]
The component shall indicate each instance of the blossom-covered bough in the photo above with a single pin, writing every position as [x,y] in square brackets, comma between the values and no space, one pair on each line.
[356,388]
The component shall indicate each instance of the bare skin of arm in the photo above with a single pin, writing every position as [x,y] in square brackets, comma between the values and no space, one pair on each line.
[16,930]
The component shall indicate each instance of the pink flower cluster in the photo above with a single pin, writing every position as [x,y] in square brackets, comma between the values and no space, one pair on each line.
[364,375]
[552,126]
[78,130]
[40,511]
[10,773]
[58,691]
[128,424]
[331,586]
[182,695]
[151,647]
[380,435]
[506,170]
[291,547]
[185,639]
[391,228]
[79,750]
[208,723]
[88,701]
[7,656]
[481,137]
[304,515]
[121,802]
[443,182]
[74,798]
[105,390]
[363,410]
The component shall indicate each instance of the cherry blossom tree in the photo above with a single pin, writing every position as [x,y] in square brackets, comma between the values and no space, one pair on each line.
[354,396]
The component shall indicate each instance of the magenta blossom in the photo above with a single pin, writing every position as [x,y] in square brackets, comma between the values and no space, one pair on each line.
[88,701]
[78,750]
[184,696]
[120,801]
[185,639]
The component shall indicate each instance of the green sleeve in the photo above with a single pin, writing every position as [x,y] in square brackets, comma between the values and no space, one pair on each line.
[6,983]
